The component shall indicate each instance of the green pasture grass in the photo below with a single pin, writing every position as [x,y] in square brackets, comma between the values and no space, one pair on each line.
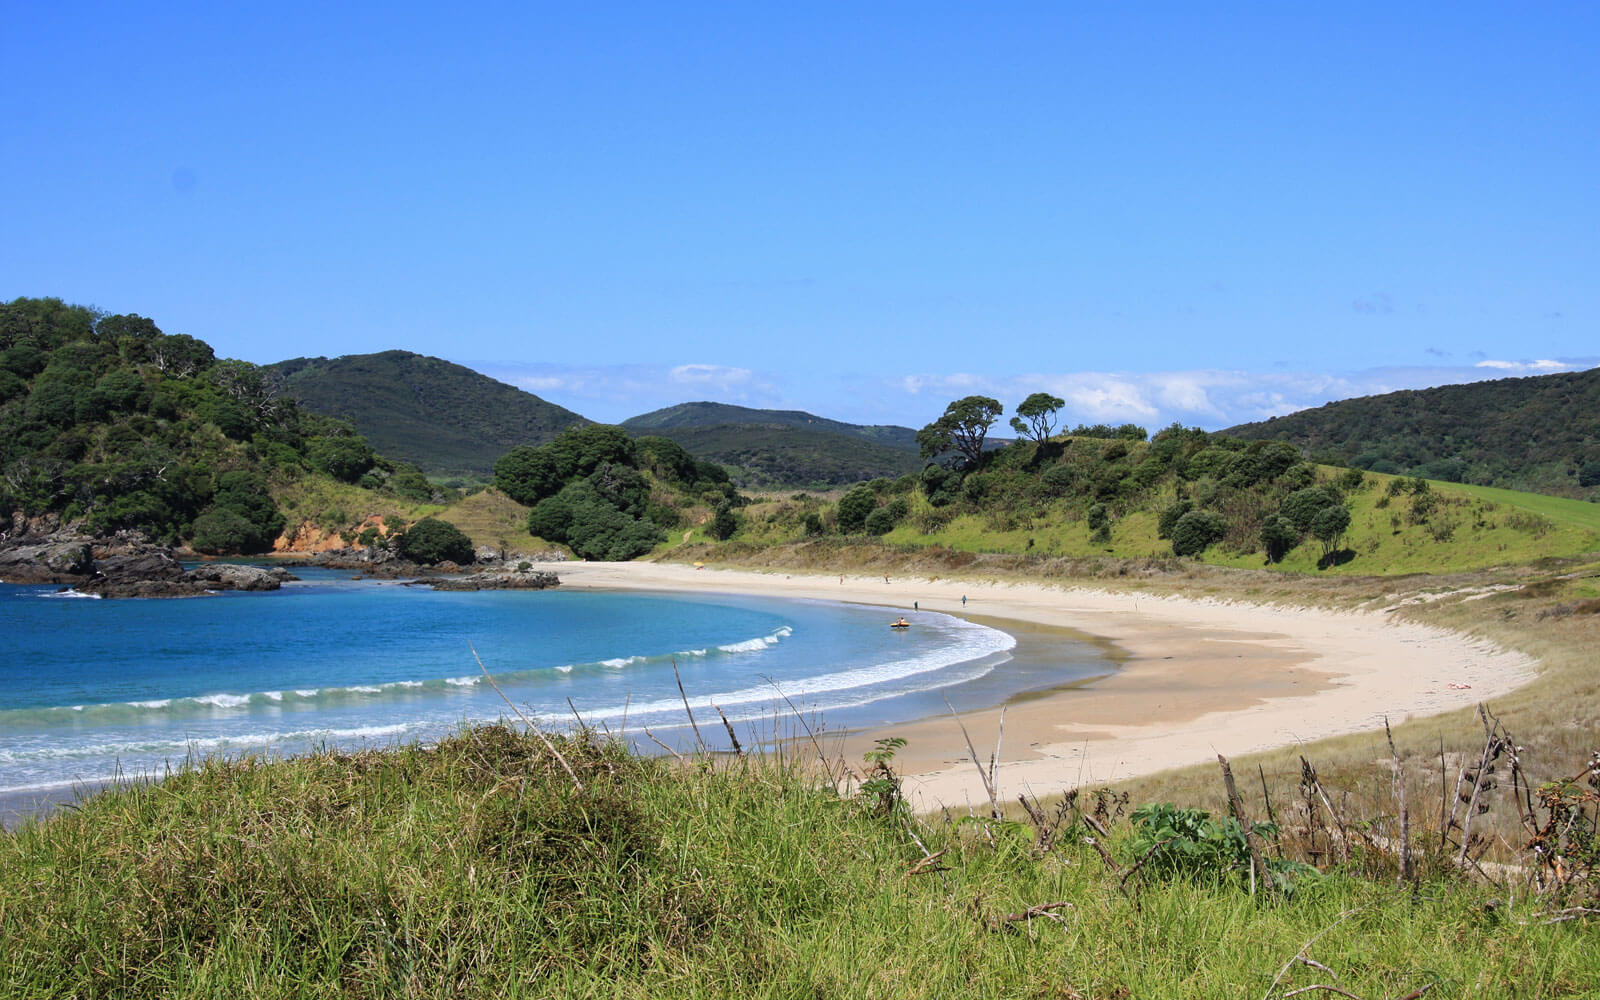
[486,866]
[1472,528]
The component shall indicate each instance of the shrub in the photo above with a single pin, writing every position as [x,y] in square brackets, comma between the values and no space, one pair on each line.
[1169,516]
[854,507]
[879,522]
[431,541]
[221,531]
[1195,531]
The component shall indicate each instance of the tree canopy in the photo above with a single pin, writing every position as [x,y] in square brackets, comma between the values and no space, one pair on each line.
[962,428]
[1036,416]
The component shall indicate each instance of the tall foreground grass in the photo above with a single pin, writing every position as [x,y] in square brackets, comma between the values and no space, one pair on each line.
[484,867]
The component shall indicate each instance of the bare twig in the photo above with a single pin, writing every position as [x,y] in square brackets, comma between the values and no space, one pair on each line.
[738,751]
[535,729]
[822,758]
[1145,857]
[1040,910]
[1094,842]
[697,737]
[663,746]
[1300,955]
[988,784]
[1405,809]
[928,864]
[1321,986]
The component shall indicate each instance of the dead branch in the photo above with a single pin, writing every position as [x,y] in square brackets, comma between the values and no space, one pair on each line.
[1405,809]
[699,740]
[988,784]
[738,751]
[1237,805]
[1041,910]
[928,864]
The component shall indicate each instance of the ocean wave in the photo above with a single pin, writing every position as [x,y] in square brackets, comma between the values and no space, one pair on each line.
[973,644]
[180,747]
[234,703]
[69,595]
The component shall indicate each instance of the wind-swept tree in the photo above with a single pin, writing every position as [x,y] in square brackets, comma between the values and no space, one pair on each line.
[1036,416]
[963,427]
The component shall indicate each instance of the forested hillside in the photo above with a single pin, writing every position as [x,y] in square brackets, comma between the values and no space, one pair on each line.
[1540,434]
[449,420]
[108,422]
[783,448]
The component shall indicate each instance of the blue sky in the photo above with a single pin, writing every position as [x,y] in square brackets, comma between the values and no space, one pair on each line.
[1202,213]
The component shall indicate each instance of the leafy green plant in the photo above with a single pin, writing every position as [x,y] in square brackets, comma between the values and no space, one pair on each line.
[880,789]
[1189,843]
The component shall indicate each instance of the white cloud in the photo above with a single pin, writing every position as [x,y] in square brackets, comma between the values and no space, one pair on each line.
[1541,367]
[719,376]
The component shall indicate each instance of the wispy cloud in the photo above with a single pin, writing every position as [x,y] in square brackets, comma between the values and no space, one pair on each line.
[1209,398]
[616,392]
[1541,367]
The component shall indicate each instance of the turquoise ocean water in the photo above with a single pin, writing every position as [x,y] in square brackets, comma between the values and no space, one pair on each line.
[94,689]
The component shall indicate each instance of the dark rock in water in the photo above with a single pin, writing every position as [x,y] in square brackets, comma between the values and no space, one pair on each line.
[230,576]
[494,581]
[55,562]
[122,565]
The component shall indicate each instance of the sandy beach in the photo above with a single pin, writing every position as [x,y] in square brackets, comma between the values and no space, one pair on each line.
[1197,677]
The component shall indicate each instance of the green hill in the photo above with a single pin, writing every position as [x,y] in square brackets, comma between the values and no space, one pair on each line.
[783,448]
[1220,500]
[107,423]
[447,419]
[1540,434]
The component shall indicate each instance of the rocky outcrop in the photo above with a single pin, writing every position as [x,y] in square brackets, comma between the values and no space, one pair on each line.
[123,565]
[232,576]
[507,580]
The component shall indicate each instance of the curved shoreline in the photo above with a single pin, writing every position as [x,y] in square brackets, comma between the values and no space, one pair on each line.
[1200,677]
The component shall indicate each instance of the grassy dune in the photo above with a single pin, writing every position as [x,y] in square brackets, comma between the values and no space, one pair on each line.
[486,867]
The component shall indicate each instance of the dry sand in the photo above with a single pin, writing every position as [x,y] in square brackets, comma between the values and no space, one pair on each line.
[1197,678]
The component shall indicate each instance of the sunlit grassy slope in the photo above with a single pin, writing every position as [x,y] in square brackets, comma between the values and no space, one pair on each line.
[1469,527]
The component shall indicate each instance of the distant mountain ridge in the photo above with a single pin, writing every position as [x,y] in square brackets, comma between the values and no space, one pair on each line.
[783,448]
[445,418]
[1540,434]
[709,414]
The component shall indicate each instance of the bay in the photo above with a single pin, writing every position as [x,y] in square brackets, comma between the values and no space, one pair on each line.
[92,690]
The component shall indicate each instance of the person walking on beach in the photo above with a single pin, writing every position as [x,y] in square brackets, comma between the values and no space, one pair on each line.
[963,600]
[914,606]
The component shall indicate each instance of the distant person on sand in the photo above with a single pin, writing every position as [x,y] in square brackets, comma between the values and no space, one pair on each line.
[963,600]
[914,606]
[886,579]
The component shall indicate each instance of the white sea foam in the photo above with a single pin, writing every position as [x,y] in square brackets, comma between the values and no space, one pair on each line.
[68,595]
[464,682]
[973,642]
[565,669]
[154,703]
[364,688]
[224,700]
